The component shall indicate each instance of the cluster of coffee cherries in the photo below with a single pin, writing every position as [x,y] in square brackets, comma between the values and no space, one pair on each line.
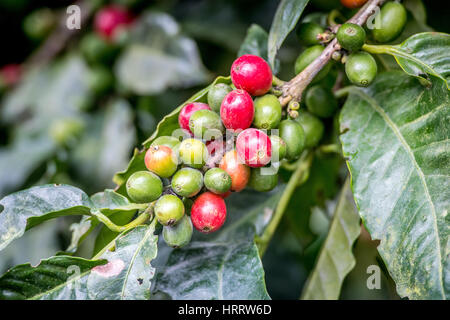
[360,66]
[235,140]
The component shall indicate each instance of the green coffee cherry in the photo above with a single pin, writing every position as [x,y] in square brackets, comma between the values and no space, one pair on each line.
[216,95]
[65,131]
[167,141]
[351,36]
[267,112]
[100,79]
[321,101]
[361,68]
[308,56]
[293,135]
[97,50]
[144,187]
[393,20]
[193,153]
[187,182]
[180,234]
[38,24]
[262,182]
[278,148]
[206,122]
[169,209]
[312,127]
[307,33]
[217,180]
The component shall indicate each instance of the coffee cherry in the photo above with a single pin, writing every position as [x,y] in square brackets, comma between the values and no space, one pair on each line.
[353,4]
[267,112]
[361,68]
[206,124]
[179,235]
[100,79]
[307,33]
[167,141]
[278,148]
[393,20]
[238,171]
[254,147]
[169,209]
[308,56]
[208,213]
[351,36]
[38,24]
[66,131]
[252,74]
[321,101]
[187,182]
[10,74]
[216,95]
[262,182]
[187,111]
[216,150]
[193,153]
[312,127]
[96,50]
[237,110]
[144,186]
[161,160]
[293,135]
[217,180]
[109,19]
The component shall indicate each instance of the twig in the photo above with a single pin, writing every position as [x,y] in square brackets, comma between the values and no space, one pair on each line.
[293,89]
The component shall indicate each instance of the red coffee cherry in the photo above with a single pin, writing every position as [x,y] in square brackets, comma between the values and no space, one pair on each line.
[208,212]
[353,4]
[10,74]
[108,20]
[252,74]
[239,172]
[237,110]
[187,111]
[254,147]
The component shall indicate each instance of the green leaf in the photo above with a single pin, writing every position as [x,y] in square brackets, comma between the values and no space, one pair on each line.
[422,55]
[396,138]
[225,265]
[125,274]
[335,260]
[255,42]
[165,127]
[24,209]
[159,57]
[286,17]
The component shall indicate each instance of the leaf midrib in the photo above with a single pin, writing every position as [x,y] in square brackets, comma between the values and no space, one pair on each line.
[374,104]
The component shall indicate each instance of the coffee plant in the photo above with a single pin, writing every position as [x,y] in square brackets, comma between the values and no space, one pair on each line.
[354,145]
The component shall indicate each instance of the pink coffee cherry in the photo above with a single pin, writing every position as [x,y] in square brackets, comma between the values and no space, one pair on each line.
[254,147]
[187,111]
[237,110]
[108,20]
[252,74]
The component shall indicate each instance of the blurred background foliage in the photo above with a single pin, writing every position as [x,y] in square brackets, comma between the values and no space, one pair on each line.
[75,117]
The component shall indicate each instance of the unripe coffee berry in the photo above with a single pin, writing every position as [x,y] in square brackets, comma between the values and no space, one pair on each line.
[206,124]
[144,187]
[307,33]
[109,19]
[179,235]
[293,135]
[262,181]
[321,101]
[267,112]
[393,18]
[308,56]
[208,213]
[351,36]
[361,68]
[169,209]
[217,181]
[187,182]
[161,160]
[237,110]
[167,141]
[252,74]
[278,148]
[254,147]
[193,153]
[239,172]
[187,111]
[216,95]
[313,128]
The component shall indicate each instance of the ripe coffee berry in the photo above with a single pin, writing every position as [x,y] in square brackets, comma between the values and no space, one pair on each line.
[144,186]
[353,4]
[208,213]
[237,110]
[109,19]
[169,209]
[161,160]
[254,147]
[187,111]
[238,171]
[252,74]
